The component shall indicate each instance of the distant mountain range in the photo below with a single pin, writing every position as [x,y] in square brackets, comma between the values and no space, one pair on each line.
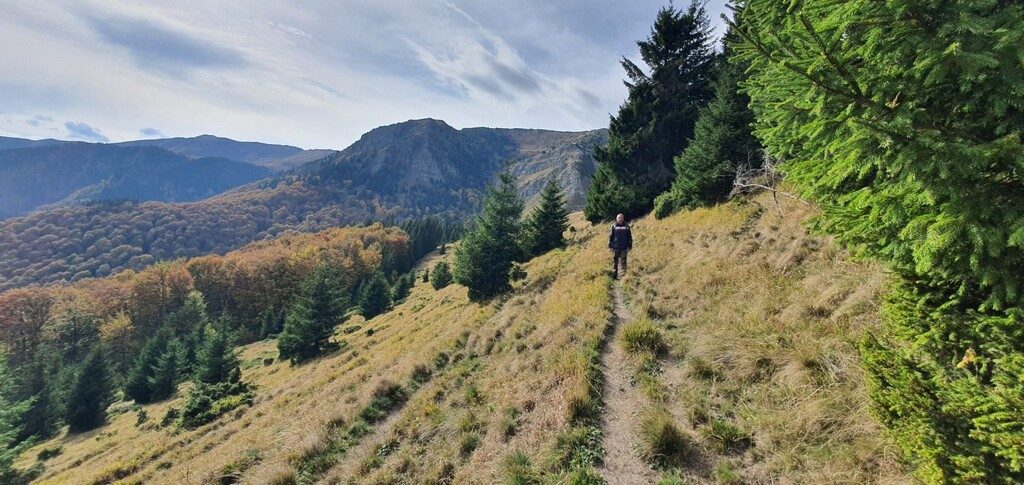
[410,169]
[74,173]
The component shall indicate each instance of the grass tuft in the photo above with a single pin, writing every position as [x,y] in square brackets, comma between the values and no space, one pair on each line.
[661,442]
[641,335]
[517,469]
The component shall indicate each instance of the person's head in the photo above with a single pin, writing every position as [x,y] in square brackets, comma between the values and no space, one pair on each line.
[621,219]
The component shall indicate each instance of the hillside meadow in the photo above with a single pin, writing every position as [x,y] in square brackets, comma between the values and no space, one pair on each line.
[759,372]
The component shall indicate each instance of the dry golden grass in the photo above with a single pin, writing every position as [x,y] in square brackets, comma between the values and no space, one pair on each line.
[762,322]
[502,356]
[761,373]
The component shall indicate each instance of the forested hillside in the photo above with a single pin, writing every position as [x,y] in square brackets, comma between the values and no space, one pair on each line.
[76,173]
[397,172]
[274,157]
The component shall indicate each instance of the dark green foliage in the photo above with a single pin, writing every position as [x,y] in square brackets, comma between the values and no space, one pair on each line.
[90,395]
[426,275]
[206,402]
[546,226]
[217,384]
[191,315]
[272,322]
[36,384]
[164,380]
[902,121]
[374,296]
[317,310]
[657,120]
[441,276]
[217,361]
[403,285]
[137,384]
[723,141]
[427,233]
[11,415]
[485,260]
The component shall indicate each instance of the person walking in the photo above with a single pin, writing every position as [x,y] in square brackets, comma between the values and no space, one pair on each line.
[620,241]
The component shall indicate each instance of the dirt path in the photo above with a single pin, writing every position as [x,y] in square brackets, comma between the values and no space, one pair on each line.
[621,410]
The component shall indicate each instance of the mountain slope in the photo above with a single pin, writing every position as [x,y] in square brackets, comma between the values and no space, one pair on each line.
[398,171]
[275,157]
[77,172]
[7,143]
[760,375]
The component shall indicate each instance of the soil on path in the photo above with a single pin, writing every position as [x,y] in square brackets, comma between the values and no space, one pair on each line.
[622,407]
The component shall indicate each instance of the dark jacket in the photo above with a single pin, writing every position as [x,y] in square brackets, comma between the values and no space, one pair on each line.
[621,238]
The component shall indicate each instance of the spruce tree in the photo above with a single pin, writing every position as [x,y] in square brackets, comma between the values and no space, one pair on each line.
[658,117]
[901,120]
[36,385]
[400,290]
[374,296]
[486,259]
[90,395]
[441,276]
[426,275]
[166,373]
[723,142]
[217,360]
[548,222]
[190,315]
[311,320]
[137,384]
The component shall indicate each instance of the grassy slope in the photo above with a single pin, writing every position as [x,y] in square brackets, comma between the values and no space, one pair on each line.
[768,313]
[762,321]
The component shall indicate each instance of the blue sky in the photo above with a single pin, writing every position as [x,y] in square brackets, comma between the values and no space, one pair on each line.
[311,73]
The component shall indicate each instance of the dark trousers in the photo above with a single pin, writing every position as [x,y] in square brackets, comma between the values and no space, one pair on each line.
[619,260]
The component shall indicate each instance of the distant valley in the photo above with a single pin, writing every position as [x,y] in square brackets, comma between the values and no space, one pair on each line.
[410,169]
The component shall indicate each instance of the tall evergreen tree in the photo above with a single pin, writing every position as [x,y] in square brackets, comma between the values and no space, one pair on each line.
[217,360]
[486,259]
[657,119]
[545,229]
[441,276]
[38,420]
[137,384]
[374,296]
[723,141]
[317,309]
[166,372]
[90,395]
[902,121]
[192,314]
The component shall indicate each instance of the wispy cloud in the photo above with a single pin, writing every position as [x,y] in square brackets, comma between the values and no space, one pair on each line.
[78,130]
[151,133]
[313,73]
[155,46]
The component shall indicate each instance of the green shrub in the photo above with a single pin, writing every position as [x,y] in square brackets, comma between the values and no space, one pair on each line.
[577,448]
[49,452]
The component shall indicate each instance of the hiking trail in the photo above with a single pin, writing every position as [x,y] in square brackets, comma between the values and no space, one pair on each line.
[621,413]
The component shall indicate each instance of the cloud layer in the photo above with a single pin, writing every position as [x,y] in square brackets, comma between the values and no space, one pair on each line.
[313,73]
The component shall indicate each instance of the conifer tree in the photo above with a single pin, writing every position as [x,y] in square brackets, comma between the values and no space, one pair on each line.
[217,360]
[374,296]
[192,314]
[486,259]
[723,141]
[36,387]
[137,384]
[545,229]
[441,276]
[166,372]
[400,290]
[90,395]
[657,119]
[426,275]
[901,120]
[311,320]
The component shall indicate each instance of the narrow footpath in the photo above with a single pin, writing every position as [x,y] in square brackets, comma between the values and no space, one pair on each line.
[622,405]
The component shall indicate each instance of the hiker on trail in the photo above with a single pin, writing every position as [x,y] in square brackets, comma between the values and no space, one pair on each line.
[620,241]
